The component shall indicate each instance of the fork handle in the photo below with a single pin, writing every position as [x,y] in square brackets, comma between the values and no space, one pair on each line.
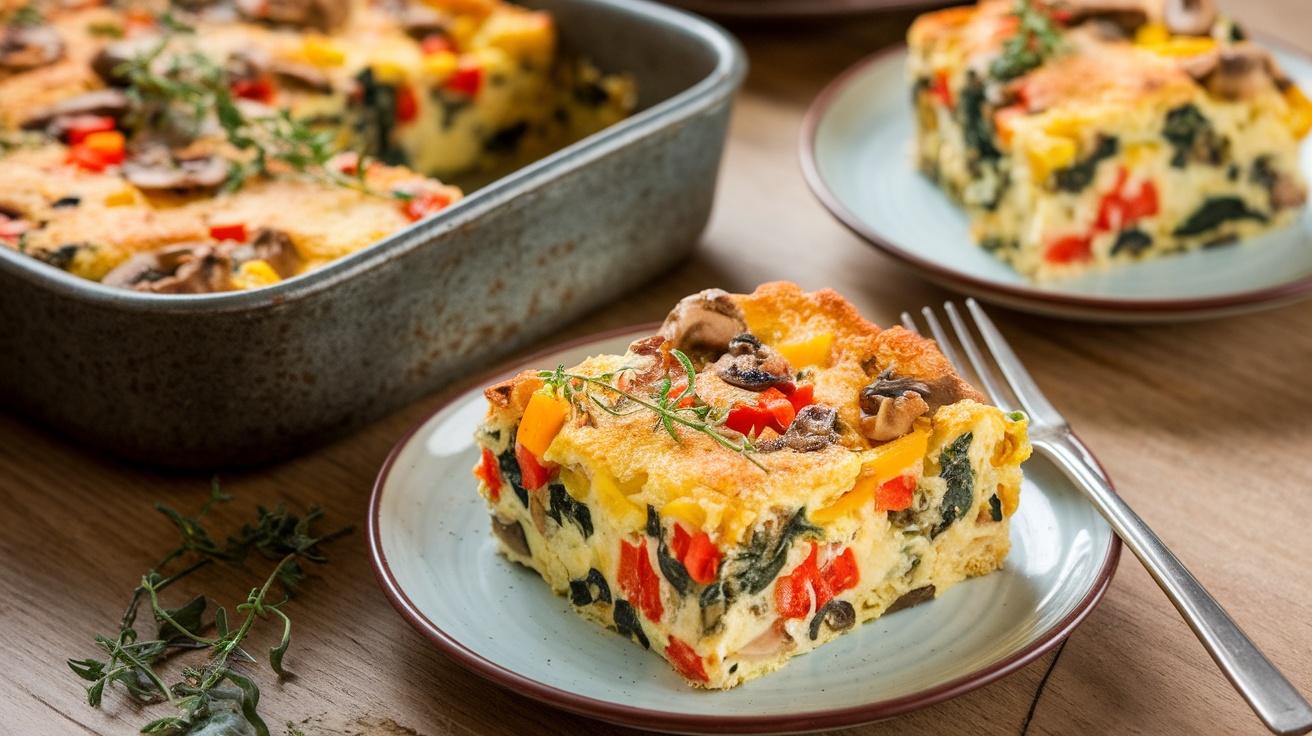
[1268,692]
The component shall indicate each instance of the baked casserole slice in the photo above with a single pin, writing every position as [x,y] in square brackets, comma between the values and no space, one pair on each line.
[763,474]
[1089,133]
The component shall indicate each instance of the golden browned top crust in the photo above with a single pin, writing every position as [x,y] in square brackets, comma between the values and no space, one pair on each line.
[622,444]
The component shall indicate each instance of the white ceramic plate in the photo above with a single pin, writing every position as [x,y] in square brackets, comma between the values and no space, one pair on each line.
[856,149]
[434,555]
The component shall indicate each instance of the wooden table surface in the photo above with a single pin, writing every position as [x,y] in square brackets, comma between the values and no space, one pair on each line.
[1203,426]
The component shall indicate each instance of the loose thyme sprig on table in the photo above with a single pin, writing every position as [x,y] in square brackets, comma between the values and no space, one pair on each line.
[201,698]
[1037,37]
[698,417]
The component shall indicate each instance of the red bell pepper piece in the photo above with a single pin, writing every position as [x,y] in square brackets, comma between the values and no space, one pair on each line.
[940,90]
[235,232]
[466,80]
[801,396]
[407,104]
[685,661]
[489,471]
[792,592]
[638,580]
[773,409]
[679,542]
[534,472]
[1120,208]
[78,127]
[259,89]
[1069,249]
[422,205]
[702,558]
[895,494]
[11,229]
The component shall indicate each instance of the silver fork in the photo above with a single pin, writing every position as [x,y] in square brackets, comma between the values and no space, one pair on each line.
[1268,692]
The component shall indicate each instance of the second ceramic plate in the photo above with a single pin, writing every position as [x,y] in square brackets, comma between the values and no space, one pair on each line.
[856,152]
[434,555]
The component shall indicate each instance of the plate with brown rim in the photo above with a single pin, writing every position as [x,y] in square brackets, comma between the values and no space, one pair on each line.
[433,553]
[856,151]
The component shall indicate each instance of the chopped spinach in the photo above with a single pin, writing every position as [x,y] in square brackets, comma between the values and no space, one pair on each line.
[960,477]
[975,125]
[565,507]
[995,508]
[759,564]
[509,465]
[1192,137]
[507,139]
[627,623]
[71,200]
[61,258]
[376,118]
[673,570]
[1213,212]
[713,606]
[1132,241]
[1078,176]
[581,591]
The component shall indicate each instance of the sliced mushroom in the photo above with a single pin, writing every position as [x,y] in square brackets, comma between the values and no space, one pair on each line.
[324,15]
[891,405]
[159,172]
[1200,66]
[1189,17]
[275,247]
[704,322]
[752,365]
[306,76]
[812,429]
[419,19]
[511,534]
[55,117]
[1242,71]
[176,269]
[912,598]
[1125,16]
[1286,191]
[29,46]
[109,61]
[837,615]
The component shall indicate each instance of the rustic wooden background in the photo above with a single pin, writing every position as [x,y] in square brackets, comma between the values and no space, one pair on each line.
[1204,428]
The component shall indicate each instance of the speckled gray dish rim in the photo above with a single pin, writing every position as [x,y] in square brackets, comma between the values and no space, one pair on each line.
[1020,297]
[671,722]
[796,9]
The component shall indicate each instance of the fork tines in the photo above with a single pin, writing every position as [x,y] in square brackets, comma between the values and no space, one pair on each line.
[1014,389]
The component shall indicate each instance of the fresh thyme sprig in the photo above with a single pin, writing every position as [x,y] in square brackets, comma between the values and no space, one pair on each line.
[699,417]
[214,694]
[1037,38]
[192,87]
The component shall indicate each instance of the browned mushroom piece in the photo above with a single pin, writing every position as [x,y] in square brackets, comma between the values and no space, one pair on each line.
[911,598]
[188,268]
[511,534]
[892,403]
[305,76]
[704,322]
[420,20]
[109,61]
[1189,17]
[29,46]
[752,365]
[159,172]
[813,429]
[1200,66]
[275,247]
[324,15]
[56,117]
[1118,18]
[1286,192]
[1242,71]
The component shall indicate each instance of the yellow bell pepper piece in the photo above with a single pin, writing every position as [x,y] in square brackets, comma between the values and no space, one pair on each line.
[322,52]
[440,66]
[627,514]
[1048,153]
[253,274]
[814,351]
[1152,33]
[543,418]
[685,510]
[1300,111]
[886,463]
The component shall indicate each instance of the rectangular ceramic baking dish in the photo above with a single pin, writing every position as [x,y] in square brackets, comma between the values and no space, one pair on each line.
[222,380]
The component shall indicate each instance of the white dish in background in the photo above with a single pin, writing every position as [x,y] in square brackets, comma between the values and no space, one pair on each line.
[856,150]
[435,558]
